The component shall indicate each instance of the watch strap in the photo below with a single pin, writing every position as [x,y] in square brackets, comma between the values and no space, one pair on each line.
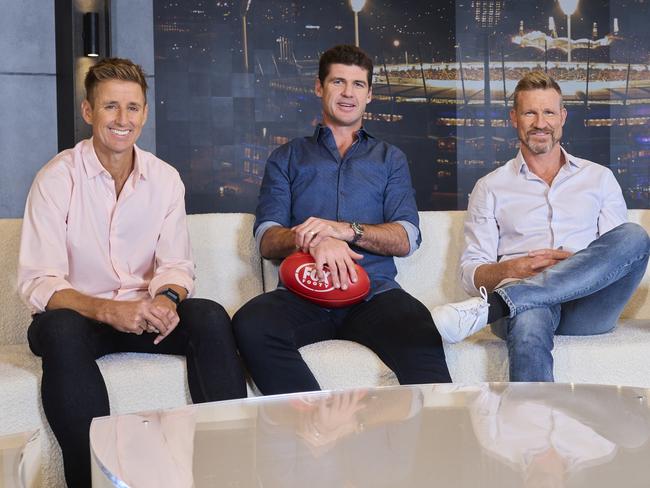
[357,228]
[171,294]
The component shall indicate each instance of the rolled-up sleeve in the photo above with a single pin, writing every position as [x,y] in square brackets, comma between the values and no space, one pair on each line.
[174,264]
[399,199]
[613,211]
[274,204]
[481,236]
[43,257]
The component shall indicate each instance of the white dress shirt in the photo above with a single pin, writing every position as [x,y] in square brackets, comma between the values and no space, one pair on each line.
[512,211]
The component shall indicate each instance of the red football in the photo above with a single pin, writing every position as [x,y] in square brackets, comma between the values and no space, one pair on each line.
[298,274]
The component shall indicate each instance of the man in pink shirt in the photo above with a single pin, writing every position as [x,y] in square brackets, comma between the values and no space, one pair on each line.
[106,266]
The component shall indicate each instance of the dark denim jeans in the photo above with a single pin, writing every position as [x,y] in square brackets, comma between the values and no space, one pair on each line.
[582,295]
[73,389]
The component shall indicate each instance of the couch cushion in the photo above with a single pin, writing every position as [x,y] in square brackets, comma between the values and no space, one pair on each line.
[228,268]
[431,273]
[340,364]
[617,358]
[14,316]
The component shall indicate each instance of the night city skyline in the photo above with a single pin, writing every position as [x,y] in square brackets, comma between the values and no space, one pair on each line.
[235,79]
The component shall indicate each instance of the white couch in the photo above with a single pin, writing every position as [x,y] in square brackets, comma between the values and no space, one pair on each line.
[230,271]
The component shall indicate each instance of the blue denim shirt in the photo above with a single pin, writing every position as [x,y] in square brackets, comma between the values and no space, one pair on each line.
[371,184]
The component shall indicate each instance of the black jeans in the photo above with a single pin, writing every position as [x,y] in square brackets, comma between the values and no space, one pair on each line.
[271,328]
[73,390]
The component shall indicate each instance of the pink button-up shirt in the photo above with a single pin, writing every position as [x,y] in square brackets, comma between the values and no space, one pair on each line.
[77,234]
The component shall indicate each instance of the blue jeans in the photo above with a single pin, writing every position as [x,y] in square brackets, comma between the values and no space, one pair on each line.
[582,295]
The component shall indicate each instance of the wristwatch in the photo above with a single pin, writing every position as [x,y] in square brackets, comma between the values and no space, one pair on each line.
[357,228]
[171,294]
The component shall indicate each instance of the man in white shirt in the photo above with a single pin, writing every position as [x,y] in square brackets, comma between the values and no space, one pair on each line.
[546,235]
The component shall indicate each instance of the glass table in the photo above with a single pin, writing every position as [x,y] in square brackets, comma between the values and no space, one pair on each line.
[20,460]
[485,435]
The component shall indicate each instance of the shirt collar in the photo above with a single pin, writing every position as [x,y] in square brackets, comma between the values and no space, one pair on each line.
[322,130]
[93,167]
[90,160]
[140,164]
[573,162]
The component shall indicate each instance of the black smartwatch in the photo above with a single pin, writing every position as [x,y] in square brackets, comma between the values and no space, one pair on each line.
[357,228]
[171,294]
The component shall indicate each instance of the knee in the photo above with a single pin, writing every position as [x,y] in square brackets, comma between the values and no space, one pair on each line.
[57,331]
[247,323]
[635,238]
[257,321]
[202,316]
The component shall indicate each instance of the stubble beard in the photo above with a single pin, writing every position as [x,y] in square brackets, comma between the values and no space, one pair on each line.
[541,147]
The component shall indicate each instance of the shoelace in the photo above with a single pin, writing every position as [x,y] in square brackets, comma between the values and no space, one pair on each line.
[470,309]
[484,293]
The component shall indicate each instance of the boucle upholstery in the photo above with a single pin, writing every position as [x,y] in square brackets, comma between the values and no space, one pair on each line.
[229,270]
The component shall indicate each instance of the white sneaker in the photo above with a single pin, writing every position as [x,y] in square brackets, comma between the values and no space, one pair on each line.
[455,321]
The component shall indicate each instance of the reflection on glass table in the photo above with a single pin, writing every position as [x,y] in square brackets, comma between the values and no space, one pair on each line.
[20,460]
[485,435]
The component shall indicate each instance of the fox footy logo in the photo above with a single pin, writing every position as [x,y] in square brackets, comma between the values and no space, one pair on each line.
[307,276]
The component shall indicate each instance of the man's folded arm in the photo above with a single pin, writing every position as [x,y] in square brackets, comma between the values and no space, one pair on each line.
[388,239]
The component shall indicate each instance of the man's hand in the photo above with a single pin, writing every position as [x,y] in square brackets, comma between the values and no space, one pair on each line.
[146,315]
[313,230]
[333,418]
[536,262]
[491,274]
[165,310]
[339,258]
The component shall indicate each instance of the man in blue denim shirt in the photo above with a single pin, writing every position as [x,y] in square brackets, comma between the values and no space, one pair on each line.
[342,196]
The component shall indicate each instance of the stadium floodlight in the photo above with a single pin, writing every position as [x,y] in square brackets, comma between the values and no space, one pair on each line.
[357,6]
[551,26]
[569,8]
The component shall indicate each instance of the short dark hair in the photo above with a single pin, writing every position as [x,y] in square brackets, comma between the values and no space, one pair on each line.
[344,54]
[114,69]
[536,80]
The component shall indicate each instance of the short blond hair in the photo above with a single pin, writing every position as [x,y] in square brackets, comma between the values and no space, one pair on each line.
[114,69]
[536,80]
